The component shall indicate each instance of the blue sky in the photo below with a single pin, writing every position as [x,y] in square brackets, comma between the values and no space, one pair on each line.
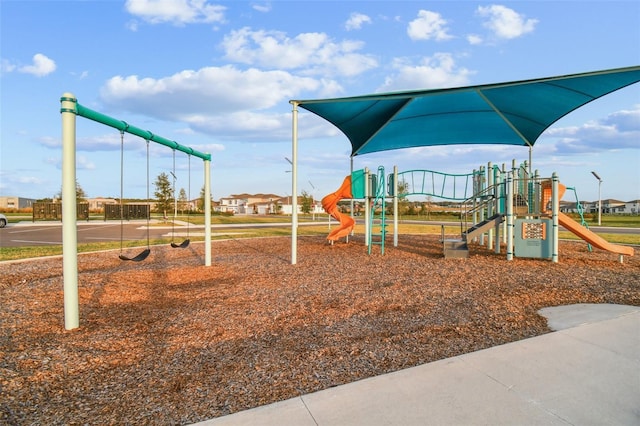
[218,77]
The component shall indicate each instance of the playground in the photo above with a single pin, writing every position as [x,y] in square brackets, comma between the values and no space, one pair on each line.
[171,341]
[177,335]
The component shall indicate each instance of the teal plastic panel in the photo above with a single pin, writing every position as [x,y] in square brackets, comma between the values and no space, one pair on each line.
[532,238]
[357,183]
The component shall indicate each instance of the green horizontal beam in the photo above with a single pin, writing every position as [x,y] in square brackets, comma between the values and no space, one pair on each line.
[123,126]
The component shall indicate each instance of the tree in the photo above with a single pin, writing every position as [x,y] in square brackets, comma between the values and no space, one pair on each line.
[163,193]
[81,196]
[183,202]
[307,201]
[426,208]
[201,200]
[403,202]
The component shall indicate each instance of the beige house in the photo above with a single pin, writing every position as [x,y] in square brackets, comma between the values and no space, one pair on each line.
[262,204]
[249,204]
[98,203]
[16,203]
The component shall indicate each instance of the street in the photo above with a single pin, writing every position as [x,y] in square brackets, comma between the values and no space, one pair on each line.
[25,234]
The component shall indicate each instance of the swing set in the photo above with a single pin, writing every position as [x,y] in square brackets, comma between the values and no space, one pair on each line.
[70,109]
[145,253]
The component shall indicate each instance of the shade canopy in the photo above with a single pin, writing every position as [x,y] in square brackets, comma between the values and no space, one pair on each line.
[513,113]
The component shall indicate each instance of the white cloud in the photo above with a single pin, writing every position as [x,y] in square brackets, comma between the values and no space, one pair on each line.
[185,131]
[132,25]
[474,39]
[84,163]
[240,121]
[7,66]
[625,120]
[264,8]
[54,161]
[176,12]
[505,23]
[438,71]
[223,101]
[81,76]
[250,126]
[49,142]
[314,53]
[210,90]
[427,26]
[30,180]
[356,20]
[108,142]
[41,66]
[330,88]
[619,130]
[209,148]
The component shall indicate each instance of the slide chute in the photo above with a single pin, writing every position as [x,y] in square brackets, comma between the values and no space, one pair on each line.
[577,229]
[591,237]
[330,205]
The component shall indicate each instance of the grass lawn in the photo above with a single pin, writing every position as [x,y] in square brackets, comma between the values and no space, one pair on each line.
[14,253]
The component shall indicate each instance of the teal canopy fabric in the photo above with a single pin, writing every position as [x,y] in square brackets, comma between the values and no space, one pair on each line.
[513,113]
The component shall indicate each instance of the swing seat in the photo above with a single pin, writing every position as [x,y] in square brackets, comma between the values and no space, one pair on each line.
[138,258]
[183,244]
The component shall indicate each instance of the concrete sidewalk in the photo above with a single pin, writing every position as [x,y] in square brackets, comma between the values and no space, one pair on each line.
[587,373]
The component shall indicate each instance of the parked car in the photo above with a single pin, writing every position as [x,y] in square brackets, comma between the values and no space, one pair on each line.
[3,220]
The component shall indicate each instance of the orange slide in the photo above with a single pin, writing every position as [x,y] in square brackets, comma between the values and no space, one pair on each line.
[592,238]
[330,205]
[584,233]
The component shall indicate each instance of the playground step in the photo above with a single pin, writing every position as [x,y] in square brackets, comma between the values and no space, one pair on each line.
[455,249]
[482,227]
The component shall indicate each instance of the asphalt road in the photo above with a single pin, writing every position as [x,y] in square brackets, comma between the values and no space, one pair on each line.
[22,234]
[25,234]
[39,234]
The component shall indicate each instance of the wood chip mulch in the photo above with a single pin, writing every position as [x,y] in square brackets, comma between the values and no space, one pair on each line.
[170,341]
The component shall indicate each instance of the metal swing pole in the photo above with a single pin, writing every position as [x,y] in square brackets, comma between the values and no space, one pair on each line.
[121,189]
[69,220]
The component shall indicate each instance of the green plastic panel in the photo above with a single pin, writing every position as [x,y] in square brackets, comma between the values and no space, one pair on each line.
[357,183]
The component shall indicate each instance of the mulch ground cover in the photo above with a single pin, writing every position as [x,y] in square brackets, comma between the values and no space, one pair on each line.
[170,341]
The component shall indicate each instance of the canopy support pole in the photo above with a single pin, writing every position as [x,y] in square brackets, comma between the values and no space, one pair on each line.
[555,209]
[352,204]
[294,184]
[395,206]
[509,193]
[207,212]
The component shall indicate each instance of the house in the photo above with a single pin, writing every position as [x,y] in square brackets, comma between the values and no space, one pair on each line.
[569,207]
[632,207]
[611,206]
[287,206]
[249,204]
[16,203]
[98,203]
[262,204]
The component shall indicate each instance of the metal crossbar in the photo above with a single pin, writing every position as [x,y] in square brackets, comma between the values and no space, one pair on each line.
[123,126]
